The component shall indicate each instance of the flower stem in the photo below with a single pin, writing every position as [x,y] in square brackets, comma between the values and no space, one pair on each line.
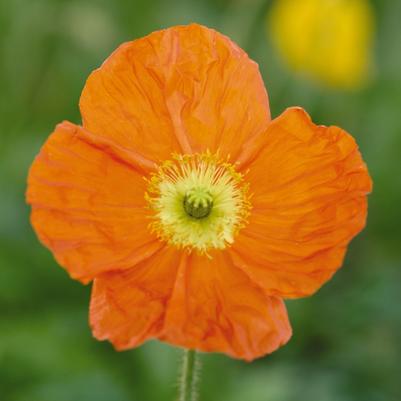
[189,376]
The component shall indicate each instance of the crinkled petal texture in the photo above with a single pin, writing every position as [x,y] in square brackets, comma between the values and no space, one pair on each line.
[192,301]
[128,307]
[309,187]
[88,203]
[185,89]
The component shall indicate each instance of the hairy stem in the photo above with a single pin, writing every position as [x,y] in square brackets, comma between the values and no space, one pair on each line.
[189,376]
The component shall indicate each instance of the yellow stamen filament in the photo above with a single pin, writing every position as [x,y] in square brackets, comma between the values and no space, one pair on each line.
[199,202]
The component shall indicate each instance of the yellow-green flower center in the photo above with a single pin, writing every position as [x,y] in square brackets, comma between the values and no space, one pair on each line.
[198,201]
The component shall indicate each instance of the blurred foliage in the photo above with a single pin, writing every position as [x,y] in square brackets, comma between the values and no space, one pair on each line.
[346,343]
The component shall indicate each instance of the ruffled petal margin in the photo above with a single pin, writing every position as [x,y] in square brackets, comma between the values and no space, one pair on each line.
[309,186]
[185,89]
[215,307]
[128,307]
[88,206]
[189,301]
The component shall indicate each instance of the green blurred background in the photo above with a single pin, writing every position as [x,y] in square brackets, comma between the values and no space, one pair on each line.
[346,343]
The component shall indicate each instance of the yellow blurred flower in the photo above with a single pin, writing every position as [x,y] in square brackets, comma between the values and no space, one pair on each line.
[330,40]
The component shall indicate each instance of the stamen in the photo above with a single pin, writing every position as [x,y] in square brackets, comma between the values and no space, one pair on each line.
[199,202]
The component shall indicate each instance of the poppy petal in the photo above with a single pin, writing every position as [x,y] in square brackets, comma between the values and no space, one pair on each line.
[309,186]
[88,203]
[216,308]
[185,89]
[128,307]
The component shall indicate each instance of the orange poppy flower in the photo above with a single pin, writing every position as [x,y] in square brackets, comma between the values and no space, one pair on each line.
[194,213]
